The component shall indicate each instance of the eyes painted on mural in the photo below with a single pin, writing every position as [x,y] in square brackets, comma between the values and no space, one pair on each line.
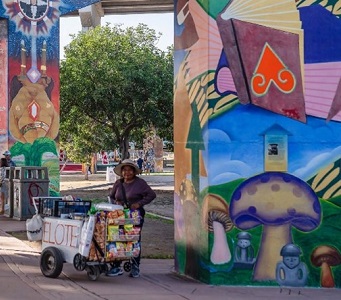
[243,243]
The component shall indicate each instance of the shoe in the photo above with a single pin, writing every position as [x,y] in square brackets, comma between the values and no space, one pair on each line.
[114,272]
[135,272]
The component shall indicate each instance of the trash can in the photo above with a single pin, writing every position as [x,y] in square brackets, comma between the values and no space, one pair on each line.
[110,175]
[28,182]
[8,192]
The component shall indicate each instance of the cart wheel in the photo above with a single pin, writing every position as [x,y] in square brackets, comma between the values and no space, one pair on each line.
[93,272]
[79,262]
[127,266]
[51,262]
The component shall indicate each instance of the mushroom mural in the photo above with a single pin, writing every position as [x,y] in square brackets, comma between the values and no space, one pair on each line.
[278,201]
[326,257]
[216,219]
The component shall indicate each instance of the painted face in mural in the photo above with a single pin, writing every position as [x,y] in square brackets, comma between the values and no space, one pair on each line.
[244,243]
[291,261]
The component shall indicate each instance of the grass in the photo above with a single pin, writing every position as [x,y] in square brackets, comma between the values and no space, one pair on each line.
[158,256]
[20,235]
[155,217]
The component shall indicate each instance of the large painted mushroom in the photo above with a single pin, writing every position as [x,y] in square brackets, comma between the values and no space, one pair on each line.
[216,219]
[277,201]
[326,257]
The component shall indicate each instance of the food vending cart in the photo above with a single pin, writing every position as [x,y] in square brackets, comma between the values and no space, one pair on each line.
[91,242]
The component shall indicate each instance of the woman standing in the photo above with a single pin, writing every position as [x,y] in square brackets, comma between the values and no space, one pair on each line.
[133,192]
[3,190]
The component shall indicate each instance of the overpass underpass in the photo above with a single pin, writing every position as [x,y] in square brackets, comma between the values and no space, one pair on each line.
[91,15]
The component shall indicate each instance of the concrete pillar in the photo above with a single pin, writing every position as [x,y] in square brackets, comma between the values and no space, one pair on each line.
[91,16]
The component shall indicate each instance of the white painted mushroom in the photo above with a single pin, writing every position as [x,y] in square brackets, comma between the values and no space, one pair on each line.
[216,219]
[278,201]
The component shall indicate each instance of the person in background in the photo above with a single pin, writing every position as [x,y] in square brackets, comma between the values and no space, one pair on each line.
[140,163]
[137,194]
[10,162]
[3,188]
[147,167]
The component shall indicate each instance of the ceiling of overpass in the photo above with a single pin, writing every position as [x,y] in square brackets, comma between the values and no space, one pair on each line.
[112,7]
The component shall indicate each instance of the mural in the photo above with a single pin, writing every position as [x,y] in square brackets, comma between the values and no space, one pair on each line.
[30,81]
[152,153]
[257,104]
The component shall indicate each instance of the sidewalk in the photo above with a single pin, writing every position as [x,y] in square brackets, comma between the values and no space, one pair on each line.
[21,278]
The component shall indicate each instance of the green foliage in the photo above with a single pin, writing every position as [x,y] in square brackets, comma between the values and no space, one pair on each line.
[33,153]
[115,83]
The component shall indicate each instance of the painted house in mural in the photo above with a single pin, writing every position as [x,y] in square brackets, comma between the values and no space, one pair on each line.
[257,147]
[29,43]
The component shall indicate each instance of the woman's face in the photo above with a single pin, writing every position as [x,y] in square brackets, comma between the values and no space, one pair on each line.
[128,173]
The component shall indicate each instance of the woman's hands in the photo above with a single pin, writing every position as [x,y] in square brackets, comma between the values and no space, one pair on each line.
[135,206]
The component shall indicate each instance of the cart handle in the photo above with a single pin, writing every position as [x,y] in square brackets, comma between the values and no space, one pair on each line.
[34,203]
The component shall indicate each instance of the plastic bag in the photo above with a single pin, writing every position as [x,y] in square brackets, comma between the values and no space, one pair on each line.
[34,228]
[108,206]
[86,236]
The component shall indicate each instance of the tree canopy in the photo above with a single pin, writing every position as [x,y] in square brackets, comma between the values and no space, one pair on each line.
[115,84]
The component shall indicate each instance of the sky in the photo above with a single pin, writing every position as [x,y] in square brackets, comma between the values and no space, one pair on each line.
[160,22]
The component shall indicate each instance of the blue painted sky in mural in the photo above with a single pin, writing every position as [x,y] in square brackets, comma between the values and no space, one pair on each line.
[236,144]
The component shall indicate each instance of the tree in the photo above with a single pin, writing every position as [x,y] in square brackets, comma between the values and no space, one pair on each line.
[115,84]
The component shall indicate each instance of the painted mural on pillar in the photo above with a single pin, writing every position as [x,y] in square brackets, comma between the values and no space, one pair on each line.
[257,104]
[30,81]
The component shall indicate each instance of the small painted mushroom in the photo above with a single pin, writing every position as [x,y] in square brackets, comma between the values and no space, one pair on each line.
[215,214]
[277,201]
[326,257]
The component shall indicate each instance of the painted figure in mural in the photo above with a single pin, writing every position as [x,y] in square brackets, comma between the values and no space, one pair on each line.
[3,187]
[32,114]
[133,192]
[291,271]
[244,252]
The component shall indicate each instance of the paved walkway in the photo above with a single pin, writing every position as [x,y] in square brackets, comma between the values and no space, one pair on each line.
[21,278]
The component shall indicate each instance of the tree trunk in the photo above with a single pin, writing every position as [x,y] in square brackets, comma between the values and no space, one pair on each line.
[124,147]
